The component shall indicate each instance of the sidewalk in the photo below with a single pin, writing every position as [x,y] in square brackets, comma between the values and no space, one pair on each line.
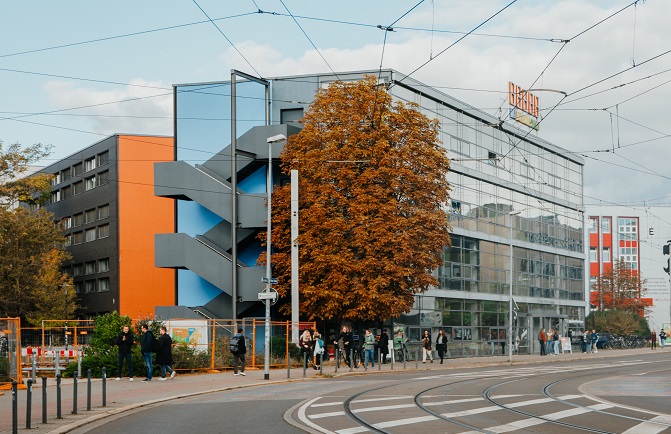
[125,395]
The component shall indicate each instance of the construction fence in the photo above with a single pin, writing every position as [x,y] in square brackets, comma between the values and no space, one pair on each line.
[198,344]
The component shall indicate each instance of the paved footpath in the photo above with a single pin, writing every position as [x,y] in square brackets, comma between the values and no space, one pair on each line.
[125,395]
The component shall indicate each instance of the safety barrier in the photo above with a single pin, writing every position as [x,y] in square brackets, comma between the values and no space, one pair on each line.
[10,352]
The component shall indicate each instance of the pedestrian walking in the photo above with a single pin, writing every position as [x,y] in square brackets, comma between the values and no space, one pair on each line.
[125,343]
[164,354]
[594,338]
[653,340]
[584,341]
[555,342]
[239,351]
[369,347]
[383,345]
[441,344]
[662,337]
[542,338]
[319,349]
[305,343]
[344,343]
[146,345]
[426,347]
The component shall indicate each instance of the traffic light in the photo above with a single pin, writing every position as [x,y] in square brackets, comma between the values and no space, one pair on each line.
[665,249]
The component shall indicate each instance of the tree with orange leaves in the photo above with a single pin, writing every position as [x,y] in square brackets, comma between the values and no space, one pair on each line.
[619,287]
[373,193]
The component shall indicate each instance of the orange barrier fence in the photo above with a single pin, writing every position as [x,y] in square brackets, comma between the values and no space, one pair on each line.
[10,352]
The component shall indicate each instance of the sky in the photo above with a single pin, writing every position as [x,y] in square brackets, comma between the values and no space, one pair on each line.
[73,73]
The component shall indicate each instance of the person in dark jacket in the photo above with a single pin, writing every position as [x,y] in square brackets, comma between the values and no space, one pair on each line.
[145,347]
[239,355]
[125,342]
[441,344]
[344,343]
[383,344]
[164,354]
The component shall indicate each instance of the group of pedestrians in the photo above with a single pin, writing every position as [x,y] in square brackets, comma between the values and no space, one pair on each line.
[312,348]
[588,341]
[549,342]
[653,339]
[346,346]
[148,346]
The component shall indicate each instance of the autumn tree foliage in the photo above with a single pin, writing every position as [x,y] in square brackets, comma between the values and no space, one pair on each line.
[619,287]
[32,285]
[373,190]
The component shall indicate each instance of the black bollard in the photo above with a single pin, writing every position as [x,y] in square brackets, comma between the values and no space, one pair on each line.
[74,393]
[29,402]
[44,399]
[405,356]
[416,359]
[88,390]
[58,397]
[15,409]
[305,363]
[351,359]
[379,360]
[288,365]
[104,387]
[337,358]
[365,360]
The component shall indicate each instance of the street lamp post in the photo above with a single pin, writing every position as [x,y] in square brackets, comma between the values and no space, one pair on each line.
[269,273]
[510,302]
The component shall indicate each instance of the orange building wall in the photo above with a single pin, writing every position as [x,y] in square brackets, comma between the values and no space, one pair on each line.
[142,286]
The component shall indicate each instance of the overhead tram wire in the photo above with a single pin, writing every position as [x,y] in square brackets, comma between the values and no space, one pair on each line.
[309,40]
[125,35]
[229,41]
[457,41]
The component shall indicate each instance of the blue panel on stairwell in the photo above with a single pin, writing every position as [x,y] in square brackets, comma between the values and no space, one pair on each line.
[194,290]
[194,219]
[255,183]
[251,253]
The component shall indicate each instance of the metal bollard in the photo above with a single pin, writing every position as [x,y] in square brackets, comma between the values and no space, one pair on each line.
[416,359]
[15,409]
[104,387]
[58,397]
[305,363]
[44,399]
[379,359]
[351,359]
[337,358]
[88,390]
[79,366]
[288,366]
[34,368]
[29,402]
[365,360]
[405,356]
[58,363]
[74,393]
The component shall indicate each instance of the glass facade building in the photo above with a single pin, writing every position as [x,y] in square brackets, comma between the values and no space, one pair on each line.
[511,190]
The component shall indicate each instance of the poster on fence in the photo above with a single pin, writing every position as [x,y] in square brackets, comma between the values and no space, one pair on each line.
[192,332]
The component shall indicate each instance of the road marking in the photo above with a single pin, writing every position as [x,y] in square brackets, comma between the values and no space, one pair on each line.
[652,426]
[306,421]
[511,405]
[389,424]
[526,423]
[389,398]
[460,401]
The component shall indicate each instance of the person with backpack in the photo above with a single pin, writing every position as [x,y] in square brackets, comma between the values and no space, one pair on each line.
[146,345]
[238,349]
[164,354]
[662,337]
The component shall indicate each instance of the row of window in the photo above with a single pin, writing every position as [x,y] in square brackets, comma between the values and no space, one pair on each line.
[87,165]
[89,216]
[79,187]
[88,268]
[93,285]
[88,235]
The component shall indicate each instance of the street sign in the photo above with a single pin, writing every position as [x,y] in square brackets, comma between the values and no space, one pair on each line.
[273,280]
[267,295]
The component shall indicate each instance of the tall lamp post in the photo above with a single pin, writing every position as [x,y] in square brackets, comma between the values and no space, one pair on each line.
[269,272]
[510,302]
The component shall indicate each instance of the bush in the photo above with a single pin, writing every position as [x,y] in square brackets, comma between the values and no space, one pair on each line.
[278,348]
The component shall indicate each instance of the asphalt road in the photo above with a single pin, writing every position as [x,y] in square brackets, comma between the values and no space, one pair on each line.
[614,395]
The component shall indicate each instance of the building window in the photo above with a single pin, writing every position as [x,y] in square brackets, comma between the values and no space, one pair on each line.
[89,164]
[593,222]
[592,254]
[77,238]
[103,284]
[90,267]
[78,187]
[90,286]
[77,169]
[68,241]
[103,265]
[55,196]
[90,235]
[103,158]
[56,179]
[90,183]
[79,286]
[66,174]
[605,225]
[66,223]
[104,177]
[90,216]
[78,219]
[605,254]
[103,231]
[103,212]
[78,270]
[66,192]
